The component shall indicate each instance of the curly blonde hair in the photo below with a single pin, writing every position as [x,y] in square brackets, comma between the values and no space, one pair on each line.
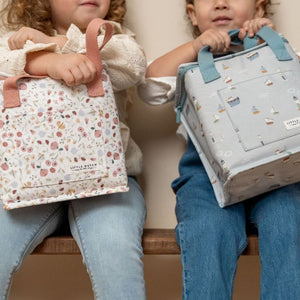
[264,3]
[37,14]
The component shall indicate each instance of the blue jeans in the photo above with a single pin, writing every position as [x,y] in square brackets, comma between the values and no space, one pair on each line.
[212,238]
[108,230]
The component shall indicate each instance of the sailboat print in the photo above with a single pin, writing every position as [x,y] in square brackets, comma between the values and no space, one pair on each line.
[269,121]
[274,111]
[268,82]
[255,111]
[263,69]
[221,108]
[217,118]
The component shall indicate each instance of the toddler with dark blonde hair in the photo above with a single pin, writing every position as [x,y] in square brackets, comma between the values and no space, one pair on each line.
[47,37]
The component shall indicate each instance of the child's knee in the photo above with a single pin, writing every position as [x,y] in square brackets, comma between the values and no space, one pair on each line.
[212,229]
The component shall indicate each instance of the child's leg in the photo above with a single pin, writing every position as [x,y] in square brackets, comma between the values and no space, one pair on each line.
[21,230]
[211,238]
[277,215]
[108,230]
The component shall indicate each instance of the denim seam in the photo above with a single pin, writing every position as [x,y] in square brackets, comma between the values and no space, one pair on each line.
[142,223]
[232,281]
[242,247]
[143,219]
[84,252]
[141,229]
[33,237]
[182,246]
[240,251]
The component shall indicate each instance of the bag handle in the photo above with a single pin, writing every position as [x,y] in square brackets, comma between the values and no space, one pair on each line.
[95,87]
[11,96]
[273,39]
[206,59]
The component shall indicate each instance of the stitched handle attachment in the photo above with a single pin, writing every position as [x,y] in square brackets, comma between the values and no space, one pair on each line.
[206,61]
[11,96]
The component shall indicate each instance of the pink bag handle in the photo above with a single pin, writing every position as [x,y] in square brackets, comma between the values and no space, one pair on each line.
[11,96]
[95,87]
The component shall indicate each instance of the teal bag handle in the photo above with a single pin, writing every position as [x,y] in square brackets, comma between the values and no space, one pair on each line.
[273,39]
[275,42]
[206,59]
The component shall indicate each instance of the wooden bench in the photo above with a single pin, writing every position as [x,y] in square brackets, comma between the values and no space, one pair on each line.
[155,242]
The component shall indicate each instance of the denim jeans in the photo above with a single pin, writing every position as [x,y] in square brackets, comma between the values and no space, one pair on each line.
[107,228]
[212,238]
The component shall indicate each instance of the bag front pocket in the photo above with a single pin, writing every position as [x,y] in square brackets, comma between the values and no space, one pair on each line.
[271,116]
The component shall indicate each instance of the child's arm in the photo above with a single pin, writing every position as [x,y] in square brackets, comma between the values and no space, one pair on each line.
[13,62]
[44,59]
[166,65]
[219,42]
[73,68]
[159,86]
[20,37]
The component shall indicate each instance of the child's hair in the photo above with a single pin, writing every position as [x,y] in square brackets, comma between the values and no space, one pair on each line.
[36,14]
[265,4]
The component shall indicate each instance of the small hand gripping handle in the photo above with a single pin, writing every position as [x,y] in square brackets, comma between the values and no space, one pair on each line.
[11,96]
[274,40]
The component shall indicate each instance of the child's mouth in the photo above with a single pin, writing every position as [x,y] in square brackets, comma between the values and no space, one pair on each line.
[89,3]
[221,20]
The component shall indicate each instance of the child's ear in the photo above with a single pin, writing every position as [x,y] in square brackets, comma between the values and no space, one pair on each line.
[191,11]
[260,10]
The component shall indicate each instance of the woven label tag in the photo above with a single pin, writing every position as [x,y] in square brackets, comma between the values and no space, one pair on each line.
[292,123]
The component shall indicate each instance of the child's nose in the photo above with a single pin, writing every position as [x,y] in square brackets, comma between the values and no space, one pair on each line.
[221,4]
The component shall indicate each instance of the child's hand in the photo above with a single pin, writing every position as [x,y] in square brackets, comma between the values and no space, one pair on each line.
[74,69]
[253,26]
[217,40]
[19,38]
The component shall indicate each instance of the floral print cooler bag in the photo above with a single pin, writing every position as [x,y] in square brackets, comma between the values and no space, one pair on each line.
[58,142]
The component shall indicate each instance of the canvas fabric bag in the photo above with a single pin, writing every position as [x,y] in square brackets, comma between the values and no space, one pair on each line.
[242,112]
[58,142]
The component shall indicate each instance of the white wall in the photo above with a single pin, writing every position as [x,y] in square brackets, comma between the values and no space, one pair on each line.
[160,26]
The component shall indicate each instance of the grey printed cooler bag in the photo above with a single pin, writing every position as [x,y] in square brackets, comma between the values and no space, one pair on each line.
[242,112]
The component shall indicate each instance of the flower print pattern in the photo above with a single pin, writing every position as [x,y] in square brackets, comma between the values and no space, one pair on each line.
[60,144]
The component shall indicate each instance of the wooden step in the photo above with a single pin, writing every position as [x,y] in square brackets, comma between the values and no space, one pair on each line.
[155,242]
